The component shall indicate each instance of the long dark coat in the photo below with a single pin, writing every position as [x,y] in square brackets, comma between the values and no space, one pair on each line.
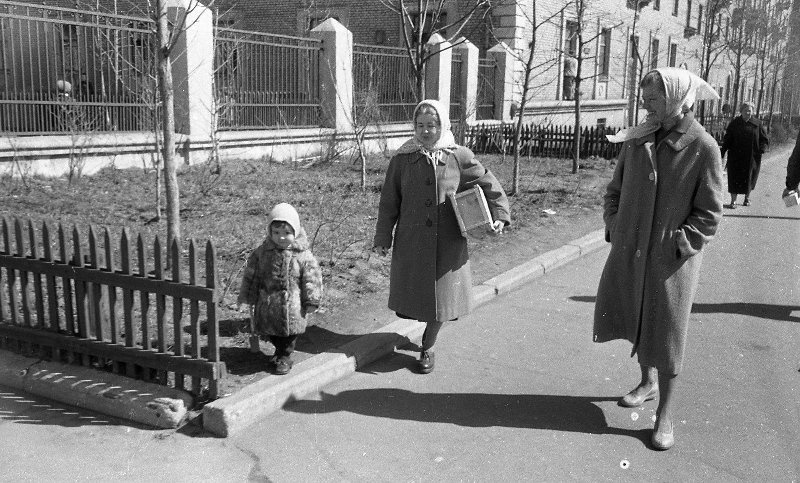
[662,206]
[745,142]
[430,277]
[280,285]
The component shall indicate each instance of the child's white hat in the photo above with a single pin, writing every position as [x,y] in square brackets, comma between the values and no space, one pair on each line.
[285,212]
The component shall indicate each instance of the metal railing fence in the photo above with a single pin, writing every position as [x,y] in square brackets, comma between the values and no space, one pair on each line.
[382,77]
[265,80]
[64,70]
[485,101]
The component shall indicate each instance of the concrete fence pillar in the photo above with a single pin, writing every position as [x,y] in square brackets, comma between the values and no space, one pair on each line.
[193,68]
[469,78]
[503,80]
[336,74]
[438,70]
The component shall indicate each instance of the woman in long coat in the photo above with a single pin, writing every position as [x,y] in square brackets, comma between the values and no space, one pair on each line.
[430,277]
[662,206]
[745,141]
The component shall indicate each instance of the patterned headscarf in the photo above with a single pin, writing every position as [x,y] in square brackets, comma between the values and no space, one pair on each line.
[445,143]
[682,89]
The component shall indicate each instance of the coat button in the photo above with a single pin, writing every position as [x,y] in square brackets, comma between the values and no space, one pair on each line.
[638,253]
[652,176]
[428,181]
[428,202]
[428,222]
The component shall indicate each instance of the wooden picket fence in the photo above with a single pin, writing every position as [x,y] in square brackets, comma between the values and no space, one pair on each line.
[541,141]
[86,309]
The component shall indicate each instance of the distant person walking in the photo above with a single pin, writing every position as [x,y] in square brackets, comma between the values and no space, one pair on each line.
[745,141]
[430,277]
[662,206]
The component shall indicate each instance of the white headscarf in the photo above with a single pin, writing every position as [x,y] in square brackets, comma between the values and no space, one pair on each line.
[445,143]
[682,89]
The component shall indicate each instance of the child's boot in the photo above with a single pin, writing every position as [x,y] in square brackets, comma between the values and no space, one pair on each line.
[283,365]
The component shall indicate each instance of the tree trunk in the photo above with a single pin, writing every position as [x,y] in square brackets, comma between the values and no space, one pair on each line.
[168,126]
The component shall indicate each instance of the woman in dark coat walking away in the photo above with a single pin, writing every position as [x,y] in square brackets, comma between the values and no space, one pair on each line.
[430,278]
[662,206]
[745,141]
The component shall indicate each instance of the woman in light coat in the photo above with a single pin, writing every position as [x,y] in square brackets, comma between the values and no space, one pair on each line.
[430,278]
[662,206]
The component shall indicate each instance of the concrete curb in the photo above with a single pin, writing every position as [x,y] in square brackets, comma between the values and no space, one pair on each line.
[119,396]
[228,415]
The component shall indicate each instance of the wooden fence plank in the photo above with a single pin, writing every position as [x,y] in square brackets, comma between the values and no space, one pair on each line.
[194,314]
[80,293]
[177,310]
[23,276]
[96,323]
[10,276]
[127,297]
[144,296]
[111,291]
[50,281]
[38,294]
[161,306]
[66,284]
[211,315]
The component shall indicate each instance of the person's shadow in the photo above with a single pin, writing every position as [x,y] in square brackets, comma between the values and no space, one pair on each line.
[532,411]
[750,309]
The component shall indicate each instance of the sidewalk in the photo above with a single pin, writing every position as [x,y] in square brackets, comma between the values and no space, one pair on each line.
[228,415]
[164,407]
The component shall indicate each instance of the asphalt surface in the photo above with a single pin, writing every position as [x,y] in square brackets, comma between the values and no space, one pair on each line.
[520,392]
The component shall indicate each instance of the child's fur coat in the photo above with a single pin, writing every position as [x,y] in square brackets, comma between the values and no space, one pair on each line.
[281,285]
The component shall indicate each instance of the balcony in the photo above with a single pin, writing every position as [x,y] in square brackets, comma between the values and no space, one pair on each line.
[689,32]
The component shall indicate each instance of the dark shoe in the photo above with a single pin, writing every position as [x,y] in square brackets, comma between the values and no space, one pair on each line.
[731,206]
[663,440]
[282,366]
[631,400]
[426,362]
[746,202]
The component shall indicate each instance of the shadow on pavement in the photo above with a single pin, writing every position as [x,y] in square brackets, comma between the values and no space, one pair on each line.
[728,214]
[750,309]
[22,408]
[532,411]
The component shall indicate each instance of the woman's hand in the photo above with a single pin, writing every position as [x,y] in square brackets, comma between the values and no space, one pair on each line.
[382,251]
[497,227]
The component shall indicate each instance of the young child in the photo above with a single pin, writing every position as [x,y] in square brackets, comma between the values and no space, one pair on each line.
[283,283]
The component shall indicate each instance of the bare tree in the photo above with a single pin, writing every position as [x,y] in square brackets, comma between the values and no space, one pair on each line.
[429,17]
[713,42]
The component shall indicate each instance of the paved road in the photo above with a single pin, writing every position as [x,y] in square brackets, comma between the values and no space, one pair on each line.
[519,393]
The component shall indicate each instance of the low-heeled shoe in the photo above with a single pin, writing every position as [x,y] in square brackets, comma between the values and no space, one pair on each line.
[631,401]
[426,362]
[663,440]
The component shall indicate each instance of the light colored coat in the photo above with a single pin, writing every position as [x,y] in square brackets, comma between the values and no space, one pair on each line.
[430,277]
[662,206]
[281,285]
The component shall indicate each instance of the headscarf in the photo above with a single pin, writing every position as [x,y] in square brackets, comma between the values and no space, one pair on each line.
[446,142]
[285,212]
[682,88]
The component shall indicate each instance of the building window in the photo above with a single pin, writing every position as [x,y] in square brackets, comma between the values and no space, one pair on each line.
[688,13]
[654,44]
[673,55]
[430,27]
[571,38]
[699,20]
[604,51]
[675,5]
[634,41]
[657,5]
